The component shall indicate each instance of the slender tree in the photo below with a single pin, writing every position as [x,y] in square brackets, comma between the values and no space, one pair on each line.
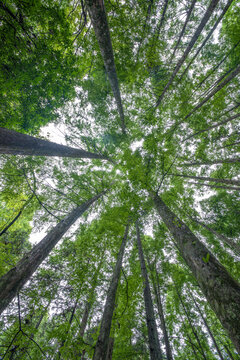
[223,181]
[12,282]
[154,345]
[212,162]
[101,347]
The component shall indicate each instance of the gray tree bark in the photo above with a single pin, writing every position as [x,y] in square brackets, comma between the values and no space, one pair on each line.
[12,282]
[101,347]
[217,180]
[15,143]
[153,341]
[220,289]
[100,24]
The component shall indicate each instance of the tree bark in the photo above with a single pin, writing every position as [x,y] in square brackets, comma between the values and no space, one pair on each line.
[156,289]
[184,27]
[100,24]
[223,181]
[214,91]
[204,21]
[12,282]
[101,347]
[208,36]
[215,186]
[15,143]
[213,162]
[153,341]
[110,349]
[220,289]
[208,328]
[213,126]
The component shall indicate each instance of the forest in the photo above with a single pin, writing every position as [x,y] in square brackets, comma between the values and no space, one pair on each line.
[119,179]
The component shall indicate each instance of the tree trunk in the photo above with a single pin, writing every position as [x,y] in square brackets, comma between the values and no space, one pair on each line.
[153,341]
[224,181]
[191,324]
[101,347]
[220,289]
[213,126]
[204,21]
[214,91]
[234,246]
[110,349]
[208,328]
[12,282]
[15,143]
[184,27]
[156,289]
[215,186]
[212,162]
[100,24]
[208,36]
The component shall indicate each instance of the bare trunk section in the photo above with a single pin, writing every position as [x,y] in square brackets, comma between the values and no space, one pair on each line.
[183,29]
[204,21]
[220,289]
[100,24]
[214,91]
[101,347]
[15,143]
[223,181]
[12,282]
[229,242]
[156,289]
[153,341]
[215,186]
[213,126]
[208,328]
[208,36]
[191,324]
[110,349]
[212,162]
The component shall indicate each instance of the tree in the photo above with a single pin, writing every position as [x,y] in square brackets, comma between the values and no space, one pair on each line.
[154,89]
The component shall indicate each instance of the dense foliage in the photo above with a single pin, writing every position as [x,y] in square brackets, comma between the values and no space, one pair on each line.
[181,141]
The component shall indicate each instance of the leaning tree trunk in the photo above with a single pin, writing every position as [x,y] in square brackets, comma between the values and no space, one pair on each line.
[223,181]
[213,126]
[220,289]
[12,282]
[156,289]
[208,36]
[100,24]
[15,143]
[101,347]
[215,186]
[212,162]
[196,35]
[153,341]
[208,328]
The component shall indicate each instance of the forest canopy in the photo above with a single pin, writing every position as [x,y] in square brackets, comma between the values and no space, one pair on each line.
[137,203]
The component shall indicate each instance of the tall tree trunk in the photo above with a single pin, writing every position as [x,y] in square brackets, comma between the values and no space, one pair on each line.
[220,289]
[215,186]
[208,36]
[204,21]
[213,126]
[190,323]
[15,143]
[100,24]
[234,246]
[12,282]
[101,347]
[162,18]
[183,29]
[208,328]
[224,181]
[154,346]
[212,162]
[156,289]
[214,91]
[110,348]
